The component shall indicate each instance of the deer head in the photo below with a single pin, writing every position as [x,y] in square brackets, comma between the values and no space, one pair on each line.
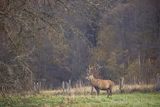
[93,70]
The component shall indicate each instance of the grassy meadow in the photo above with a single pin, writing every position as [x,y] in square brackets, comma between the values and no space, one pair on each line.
[81,97]
[117,100]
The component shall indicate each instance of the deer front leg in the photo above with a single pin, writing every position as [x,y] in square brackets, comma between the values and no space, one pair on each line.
[91,90]
[98,90]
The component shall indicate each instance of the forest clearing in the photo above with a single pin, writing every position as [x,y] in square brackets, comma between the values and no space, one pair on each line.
[79,53]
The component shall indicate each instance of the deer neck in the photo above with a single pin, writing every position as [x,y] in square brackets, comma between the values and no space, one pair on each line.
[93,80]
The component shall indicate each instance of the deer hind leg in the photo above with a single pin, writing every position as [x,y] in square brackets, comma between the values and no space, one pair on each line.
[107,90]
[110,91]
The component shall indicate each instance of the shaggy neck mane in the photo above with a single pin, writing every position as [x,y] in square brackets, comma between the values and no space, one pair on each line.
[93,81]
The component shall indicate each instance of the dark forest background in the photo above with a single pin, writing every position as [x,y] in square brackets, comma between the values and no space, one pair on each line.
[56,40]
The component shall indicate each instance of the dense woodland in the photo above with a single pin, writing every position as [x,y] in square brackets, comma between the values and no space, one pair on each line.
[51,41]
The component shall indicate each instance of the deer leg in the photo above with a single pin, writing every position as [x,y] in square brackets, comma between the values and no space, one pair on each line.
[110,91]
[97,89]
[92,90]
[107,90]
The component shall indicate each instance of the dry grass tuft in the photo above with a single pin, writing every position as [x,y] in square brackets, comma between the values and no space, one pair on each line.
[86,90]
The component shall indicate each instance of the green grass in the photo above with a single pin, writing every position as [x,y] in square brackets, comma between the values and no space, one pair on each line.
[117,100]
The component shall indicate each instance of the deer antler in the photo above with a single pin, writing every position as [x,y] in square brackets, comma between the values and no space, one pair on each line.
[89,69]
[98,66]
[94,67]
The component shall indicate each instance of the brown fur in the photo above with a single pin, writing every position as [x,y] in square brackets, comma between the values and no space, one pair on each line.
[100,84]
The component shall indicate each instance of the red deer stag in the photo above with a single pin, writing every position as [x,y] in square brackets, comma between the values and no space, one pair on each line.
[99,84]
